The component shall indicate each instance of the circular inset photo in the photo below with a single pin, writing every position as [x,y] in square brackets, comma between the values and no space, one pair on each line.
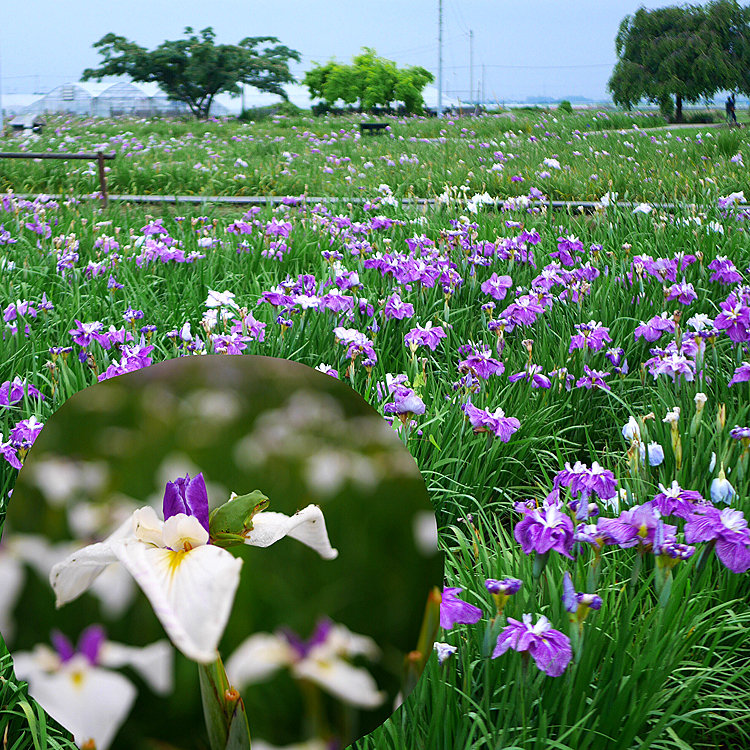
[218,547]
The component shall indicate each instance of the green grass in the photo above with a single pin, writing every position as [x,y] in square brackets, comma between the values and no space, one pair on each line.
[651,674]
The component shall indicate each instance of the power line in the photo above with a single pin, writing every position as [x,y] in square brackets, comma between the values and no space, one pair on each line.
[459,17]
[542,67]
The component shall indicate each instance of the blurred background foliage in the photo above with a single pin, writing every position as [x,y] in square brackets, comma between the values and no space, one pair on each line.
[247,423]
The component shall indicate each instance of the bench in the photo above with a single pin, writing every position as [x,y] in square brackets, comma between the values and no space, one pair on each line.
[372,127]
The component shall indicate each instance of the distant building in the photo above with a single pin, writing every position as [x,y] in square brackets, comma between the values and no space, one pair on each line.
[108,100]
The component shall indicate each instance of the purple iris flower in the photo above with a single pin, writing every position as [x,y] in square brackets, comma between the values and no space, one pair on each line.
[84,333]
[405,402]
[583,481]
[11,392]
[89,644]
[497,286]
[454,611]
[616,355]
[483,420]
[654,328]
[671,362]
[480,362]
[572,600]
[668,547]
[734,319]
[593,379]
[26,432]
[591,335]
[675,501]
[543,529]
[741,374]
[188,496]
[524,311]
[8,452]
[504,587]
[535,376]
[634,526]
[336,301]
[550,648]
[566,246]
[683,292]
[724,270]
[396,308]
[427,336]
[729,528]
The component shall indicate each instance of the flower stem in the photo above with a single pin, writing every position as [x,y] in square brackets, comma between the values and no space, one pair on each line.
[223,709]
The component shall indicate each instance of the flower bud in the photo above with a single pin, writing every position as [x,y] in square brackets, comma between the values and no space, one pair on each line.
[721,489]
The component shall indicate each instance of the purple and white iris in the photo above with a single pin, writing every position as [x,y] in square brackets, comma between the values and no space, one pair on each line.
[549,648]
[189,581]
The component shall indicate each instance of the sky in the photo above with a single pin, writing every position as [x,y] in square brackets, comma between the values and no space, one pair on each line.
[546,48]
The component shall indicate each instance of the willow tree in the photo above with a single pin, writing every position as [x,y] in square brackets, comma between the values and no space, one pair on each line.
[680,54]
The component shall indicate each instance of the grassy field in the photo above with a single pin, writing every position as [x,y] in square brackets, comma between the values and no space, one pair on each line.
[588,154]
[571,324]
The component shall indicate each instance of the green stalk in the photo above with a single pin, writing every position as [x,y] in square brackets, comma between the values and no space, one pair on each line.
[223,709]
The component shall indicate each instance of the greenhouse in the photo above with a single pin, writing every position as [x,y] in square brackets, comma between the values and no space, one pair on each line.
[109,100]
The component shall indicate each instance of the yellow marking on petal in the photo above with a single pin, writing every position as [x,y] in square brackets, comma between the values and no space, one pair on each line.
[77,678]
[175,558]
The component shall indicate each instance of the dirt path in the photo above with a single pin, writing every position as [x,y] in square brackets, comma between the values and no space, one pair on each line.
[691,126]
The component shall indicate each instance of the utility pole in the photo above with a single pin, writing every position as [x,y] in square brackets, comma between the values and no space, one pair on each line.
[440,59]
[482,83]
[471,65]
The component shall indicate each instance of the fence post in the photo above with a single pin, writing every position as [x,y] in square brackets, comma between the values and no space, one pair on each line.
[102,178]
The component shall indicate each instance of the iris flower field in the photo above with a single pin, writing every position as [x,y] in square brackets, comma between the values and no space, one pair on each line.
[573,385]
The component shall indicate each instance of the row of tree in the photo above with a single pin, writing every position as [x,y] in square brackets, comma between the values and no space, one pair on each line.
[193,70]
[682,54]
[369,81]
[687,52]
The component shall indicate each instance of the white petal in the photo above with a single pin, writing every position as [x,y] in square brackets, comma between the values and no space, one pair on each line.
[353,685]
[182,530]
[71,577]
[90,702]
[11,575]
[147,526]
[28,665]
[257,658]
[307,526]
[75,573]
[191,592]
[342,642]
[154,663]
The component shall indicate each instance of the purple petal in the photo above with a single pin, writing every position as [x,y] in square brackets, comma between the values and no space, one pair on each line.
[569,594]
[188,496]
[91,641]
[62,645]
[736,556]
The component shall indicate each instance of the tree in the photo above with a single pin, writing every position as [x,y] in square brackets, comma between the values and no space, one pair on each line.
[728,23]
[686,52]
[370,79]
[195,69]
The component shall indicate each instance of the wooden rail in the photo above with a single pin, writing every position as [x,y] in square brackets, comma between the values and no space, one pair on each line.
[100,157]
